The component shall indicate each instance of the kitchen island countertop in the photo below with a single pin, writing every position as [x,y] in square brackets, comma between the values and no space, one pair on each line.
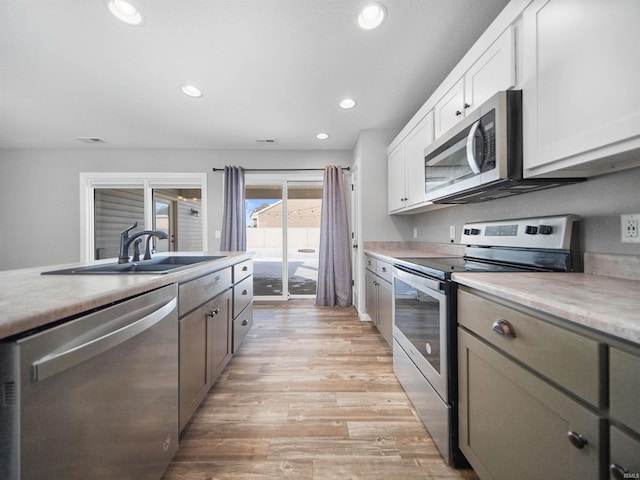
[30,300]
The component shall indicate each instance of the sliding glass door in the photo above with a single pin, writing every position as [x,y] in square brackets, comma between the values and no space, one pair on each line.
[283,232]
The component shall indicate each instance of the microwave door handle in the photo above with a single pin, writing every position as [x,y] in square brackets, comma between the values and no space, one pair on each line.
[471,148]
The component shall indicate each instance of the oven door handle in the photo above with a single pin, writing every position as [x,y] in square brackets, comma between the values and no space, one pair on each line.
[415,278]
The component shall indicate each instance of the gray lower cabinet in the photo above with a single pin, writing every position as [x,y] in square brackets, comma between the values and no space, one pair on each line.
[378,296]
[625,455]
[624,391]
[215,315]
[205,350]
[514,425]
[533,396]
[242,303]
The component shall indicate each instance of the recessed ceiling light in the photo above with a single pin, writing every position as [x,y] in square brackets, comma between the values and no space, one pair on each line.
[348,103]
[191,91]
[371,16]
[125,12]
[322,136]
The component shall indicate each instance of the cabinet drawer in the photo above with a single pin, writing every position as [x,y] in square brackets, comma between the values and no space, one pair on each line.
[384,270]
[242,295]
[196,292]
[242,270]
[625,455]
[241,327]
[370,263]
[567,358]
[624,387]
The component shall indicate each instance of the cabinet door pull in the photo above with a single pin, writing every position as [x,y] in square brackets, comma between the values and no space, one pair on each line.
[577,440]
[618,472]
[384,269]
[244,292]
[458,113]
[245,268]
[466,105]
[504,328]
[213,313]
[245,323]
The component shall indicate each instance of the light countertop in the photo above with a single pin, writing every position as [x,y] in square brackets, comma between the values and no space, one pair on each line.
[605,304]
[29,300]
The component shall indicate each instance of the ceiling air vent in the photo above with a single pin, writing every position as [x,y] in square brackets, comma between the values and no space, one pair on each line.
[90,139]
[266,140]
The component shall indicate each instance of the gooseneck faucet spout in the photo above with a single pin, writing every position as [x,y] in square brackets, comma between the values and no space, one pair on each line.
[126,241]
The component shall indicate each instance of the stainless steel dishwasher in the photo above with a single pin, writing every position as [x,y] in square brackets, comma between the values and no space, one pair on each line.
[95,396]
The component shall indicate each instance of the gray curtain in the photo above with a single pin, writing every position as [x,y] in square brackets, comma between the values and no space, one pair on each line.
[234,229]
[334,269]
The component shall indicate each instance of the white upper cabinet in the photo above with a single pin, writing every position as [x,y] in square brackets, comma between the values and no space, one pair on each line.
[396,186]
[495,70]
[450,109]
[419,139]
[406,167]
[580,81]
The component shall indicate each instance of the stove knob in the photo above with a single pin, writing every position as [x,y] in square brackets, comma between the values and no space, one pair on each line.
[531,230]
[474,231]
[467,231]
[545,229]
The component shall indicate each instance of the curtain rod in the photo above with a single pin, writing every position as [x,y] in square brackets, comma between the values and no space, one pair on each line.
[281,169]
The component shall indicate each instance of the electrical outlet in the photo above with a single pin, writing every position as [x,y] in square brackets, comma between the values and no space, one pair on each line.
[629,224]
[452,233]
[415,232]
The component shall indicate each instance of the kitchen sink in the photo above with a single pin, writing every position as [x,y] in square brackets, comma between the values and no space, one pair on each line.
[157,265]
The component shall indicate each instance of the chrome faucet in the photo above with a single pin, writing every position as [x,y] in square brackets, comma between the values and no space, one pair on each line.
[126,241]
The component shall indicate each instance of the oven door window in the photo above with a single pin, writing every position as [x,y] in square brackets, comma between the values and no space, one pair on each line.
[418,317]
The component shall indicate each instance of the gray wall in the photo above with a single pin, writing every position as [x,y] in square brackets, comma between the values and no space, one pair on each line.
[370,153]
[40,191]
[599,202]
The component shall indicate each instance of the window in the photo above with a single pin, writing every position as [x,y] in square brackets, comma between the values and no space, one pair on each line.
[171,202]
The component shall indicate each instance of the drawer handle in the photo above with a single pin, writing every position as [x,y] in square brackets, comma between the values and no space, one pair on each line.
[245,268]
[384,269]
[244,292]
[577,440]
[504,328]
[618,472]
[213,313]
[245,323]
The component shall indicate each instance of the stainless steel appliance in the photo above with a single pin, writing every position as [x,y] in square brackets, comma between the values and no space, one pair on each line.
[95,396]
[481,157]
[424,316]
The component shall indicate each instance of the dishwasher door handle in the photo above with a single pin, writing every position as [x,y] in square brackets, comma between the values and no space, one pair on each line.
[57,362]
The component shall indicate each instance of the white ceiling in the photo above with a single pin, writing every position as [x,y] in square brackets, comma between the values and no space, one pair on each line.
[268,69]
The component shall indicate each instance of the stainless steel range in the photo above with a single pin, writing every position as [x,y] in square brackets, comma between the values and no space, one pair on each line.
[424,310]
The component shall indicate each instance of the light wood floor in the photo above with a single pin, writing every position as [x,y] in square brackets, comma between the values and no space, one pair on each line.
[311,395]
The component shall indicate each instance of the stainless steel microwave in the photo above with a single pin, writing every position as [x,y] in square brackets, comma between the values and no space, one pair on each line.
[481,157]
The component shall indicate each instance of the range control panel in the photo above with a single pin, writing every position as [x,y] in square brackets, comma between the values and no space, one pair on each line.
[553,232]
